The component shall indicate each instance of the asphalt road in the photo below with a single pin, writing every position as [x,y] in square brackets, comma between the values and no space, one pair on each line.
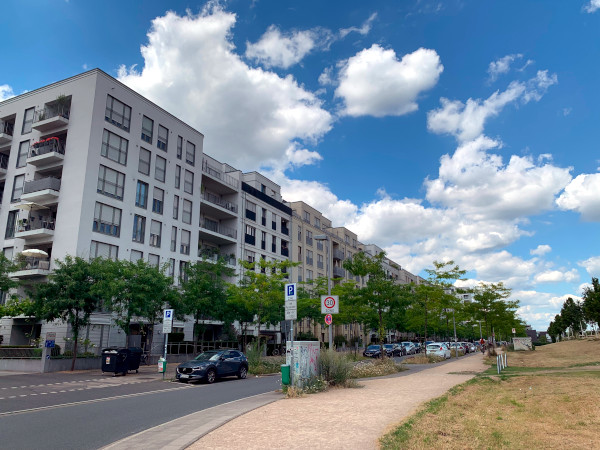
[88,410]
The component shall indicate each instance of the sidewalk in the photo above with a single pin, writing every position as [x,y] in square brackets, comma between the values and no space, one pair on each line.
[340,418]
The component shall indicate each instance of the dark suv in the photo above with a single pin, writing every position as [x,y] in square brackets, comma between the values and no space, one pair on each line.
[213,364]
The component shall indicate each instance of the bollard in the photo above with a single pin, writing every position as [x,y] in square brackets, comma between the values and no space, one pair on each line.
[498,364]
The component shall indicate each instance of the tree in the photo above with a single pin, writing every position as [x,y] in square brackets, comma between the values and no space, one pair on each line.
[591,302]
[488,304]
[571,315]
[203,293]
[68,295]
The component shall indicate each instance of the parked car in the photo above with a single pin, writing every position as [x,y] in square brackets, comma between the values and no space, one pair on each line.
[391,350]
[213,364]
[410,348]
[417,347]
[400,350]
[372,351]
[439,349]
[472,348]
[459,347]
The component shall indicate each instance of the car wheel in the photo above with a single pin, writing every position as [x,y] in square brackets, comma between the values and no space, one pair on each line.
[211,376]
[243,373]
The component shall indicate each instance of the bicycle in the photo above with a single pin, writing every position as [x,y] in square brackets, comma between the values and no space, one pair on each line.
[144,359]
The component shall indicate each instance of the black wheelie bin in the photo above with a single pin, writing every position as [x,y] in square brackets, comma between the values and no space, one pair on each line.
[115,360]
[135,356]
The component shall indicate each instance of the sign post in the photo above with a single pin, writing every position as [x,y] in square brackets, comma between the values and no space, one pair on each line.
[167,328]
[330,304]
[291,314]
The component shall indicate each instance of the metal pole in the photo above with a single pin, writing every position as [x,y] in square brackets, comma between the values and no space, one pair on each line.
[480,334]
[454,323]
[292,352]
[165,351]
[329,293]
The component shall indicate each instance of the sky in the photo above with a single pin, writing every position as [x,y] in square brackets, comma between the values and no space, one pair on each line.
[439,130]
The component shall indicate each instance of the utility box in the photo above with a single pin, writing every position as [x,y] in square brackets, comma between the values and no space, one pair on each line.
[285,374]
[522,343]
[306,360]
[162,365]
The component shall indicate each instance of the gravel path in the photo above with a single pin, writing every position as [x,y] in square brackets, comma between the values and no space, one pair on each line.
[340,418]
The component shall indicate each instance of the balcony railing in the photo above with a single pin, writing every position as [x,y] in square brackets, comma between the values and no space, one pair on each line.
[7,127]
[216,200]
[218,228]
[338,254]
[50,112]
[3,161]
[30,263]
[309,240]
[45,146]
[40,223]
[212,255]
[285,230]
[41,184]
[227,179]
[338,272]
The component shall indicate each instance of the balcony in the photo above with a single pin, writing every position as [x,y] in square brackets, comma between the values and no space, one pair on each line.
[46,152]
[338,272]
[32,267]
[38,231]
[216,232]
[3,166]
[43,191]
[221,180]
[338,254]
[51,118]
[6,132]
[285,230]
[212,255]
[217,200]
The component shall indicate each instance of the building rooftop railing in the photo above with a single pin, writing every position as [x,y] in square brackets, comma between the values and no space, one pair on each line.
[216,173]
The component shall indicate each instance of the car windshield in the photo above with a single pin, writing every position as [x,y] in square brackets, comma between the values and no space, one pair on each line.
[373,347]
[433,346]
[388,345]
[406,344]
[208,356]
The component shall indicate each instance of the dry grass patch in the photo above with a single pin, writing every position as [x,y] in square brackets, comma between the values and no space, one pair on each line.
[560,354]
[423,359]
[521,412]
[375,368]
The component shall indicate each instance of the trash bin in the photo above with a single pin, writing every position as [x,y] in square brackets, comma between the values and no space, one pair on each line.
[115,360]
[135,356]
[285,374]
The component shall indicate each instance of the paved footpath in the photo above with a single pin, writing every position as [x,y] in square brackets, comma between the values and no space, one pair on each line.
[341,418]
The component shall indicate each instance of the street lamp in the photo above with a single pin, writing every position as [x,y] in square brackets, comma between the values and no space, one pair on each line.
[324,237]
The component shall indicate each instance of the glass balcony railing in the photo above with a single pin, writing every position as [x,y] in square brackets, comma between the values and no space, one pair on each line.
[41,184]
[216,173]
[217,200]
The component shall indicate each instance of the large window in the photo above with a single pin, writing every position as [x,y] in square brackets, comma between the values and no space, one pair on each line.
[10,225]
[173,239]
[22,156]
[160,168]
[117,113]
[179,147]
[110,182]
[17,188]
[155,233]
[185,242]
[102,250]
[27,120]
[139,228]
[176,207]
[177,177]
[309,257]
[250,236]
[158,200]
[153,260]
[114,147]
[186,216]
[190,153]
[107,219]
[162,141]
[144,163]
[147,129]
[135,255]
[188,182]
[141,195]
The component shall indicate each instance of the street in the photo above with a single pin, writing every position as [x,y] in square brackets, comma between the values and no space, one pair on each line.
[88,410]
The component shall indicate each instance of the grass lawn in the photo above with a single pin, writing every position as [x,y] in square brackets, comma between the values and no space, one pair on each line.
[549,398]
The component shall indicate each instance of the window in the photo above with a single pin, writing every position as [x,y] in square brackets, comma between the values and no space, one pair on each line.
[185,242]
[27,121]
[162,141]
[188,182]
[107,220]
[309,257]
[300,253]
[160,168]
[250,237]
[319,261]
[183,270]
[347,239]
[171,269]
[158,200]
[22,156]
[135,255]
[309,275]
[17,188]
[173,239]
[319,245]
[274,244]
[177,177]
[155,233]
[144,164]
[153,260]
[147,127]
[250,211]
[139,228]
[263,189]
[309,238]
[263,240]
[114,147]
[102,250]
[284,248]
[117,113]
[10,225]
[306,216]
[186,215]
[299,233]
[264,217]
[110,183]
[250,256]
[176,207]
[317,222]
[190,153]
[179,147]
[141,195]
[274,221]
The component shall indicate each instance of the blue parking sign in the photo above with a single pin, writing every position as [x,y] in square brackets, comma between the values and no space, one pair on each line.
[290,291]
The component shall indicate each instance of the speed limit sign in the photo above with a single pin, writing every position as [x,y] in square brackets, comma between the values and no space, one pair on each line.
[330,304]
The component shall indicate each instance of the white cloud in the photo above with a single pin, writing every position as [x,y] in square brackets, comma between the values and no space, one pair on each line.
[592,6]
[375,83]
[326,77]
[362,30]
[557,276]
[592,266]
[248,115]
[541,250]
[581,195]
[502,65]
[6,92]
[466,120]
[275,49]
[567,111]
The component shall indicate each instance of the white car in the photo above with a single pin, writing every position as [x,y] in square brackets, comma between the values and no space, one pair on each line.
[439,349]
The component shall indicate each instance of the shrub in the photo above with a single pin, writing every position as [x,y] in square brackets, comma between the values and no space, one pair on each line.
[375,368]
[339,340]
[308,336]
[334,367]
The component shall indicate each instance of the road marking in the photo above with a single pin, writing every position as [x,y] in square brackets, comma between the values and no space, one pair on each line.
[96,400]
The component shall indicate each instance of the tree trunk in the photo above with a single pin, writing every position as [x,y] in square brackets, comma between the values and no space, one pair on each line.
[75,327]
[425,318]
[195,335]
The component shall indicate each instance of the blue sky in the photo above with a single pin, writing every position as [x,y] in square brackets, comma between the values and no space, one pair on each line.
[439,130]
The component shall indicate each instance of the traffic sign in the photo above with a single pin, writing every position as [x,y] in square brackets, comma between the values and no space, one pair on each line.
[328,319]
[168,321]
[290,291]
[330,304]
[514,331]
[291,313]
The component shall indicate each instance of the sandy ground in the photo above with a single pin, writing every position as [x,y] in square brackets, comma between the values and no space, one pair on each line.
[340,418]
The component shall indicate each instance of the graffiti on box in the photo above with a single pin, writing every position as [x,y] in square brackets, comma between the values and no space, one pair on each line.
[306,360]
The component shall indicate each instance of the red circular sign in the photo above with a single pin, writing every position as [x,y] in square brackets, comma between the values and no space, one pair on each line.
[328,319]
[329,302]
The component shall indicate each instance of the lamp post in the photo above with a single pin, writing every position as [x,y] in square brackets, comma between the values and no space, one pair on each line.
[324,237]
